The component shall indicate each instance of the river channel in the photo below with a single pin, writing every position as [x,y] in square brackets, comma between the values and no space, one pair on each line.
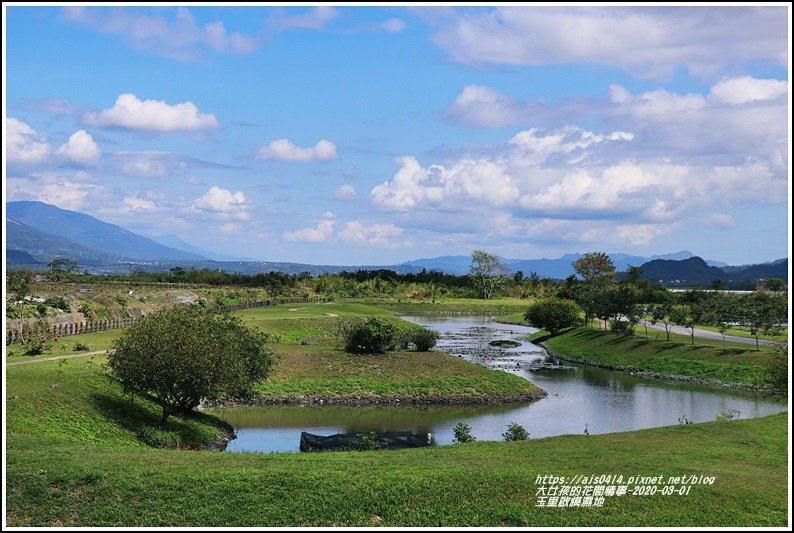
[581,399]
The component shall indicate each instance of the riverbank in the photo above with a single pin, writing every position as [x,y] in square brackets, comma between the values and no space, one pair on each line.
[725,367]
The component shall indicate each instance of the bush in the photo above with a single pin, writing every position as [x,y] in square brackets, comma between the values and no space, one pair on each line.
[515,432]
[424,339]
[80,347]
[58,303]
[621,327]
[553,314]
[38,339]
[159,438]
[462,433]
[369,336]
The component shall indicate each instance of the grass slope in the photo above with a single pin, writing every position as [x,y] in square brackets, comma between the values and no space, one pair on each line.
[742,364]
[325,370]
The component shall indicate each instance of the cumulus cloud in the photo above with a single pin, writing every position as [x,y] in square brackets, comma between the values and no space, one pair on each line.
[24,144]
[284,150]
[314,19]
[129,112]
[70,190]
[382,235]
[650,42]
[320,233]
[346,192]
[747,89]
[80,148]
[222,203]
[181,37]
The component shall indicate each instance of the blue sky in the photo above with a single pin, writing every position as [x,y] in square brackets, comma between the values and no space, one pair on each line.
[375,135]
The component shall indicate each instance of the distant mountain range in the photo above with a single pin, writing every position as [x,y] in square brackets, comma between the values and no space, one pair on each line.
[37,233]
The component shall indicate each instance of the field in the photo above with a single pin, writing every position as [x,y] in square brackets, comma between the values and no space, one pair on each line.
[73,460]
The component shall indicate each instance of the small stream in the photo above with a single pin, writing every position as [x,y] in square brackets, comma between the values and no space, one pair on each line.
[580,399]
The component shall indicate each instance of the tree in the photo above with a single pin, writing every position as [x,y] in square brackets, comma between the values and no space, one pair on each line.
[487,271]
[553,314]
[763,313]
[182,355]
[663,312]
[595,267]
[774,284]
[62,264]
[18,286]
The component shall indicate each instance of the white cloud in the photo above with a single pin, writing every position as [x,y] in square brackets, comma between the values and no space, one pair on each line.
[284,150]
[222,203]
[135,204]
[650,42]
[323,231]
[393,25]
[229,228]
[66,190]
[182,38]
[747,89]
[314,19]
[329,215]
[80,148]
[718,221]
[374,235]
[129,112]
[485,107]
[346,192]
[478,181]
[24,144]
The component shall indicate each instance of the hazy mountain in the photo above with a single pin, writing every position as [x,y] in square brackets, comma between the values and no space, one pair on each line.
[774,269]
[91,232]
[172,241]
[22,260]
[44,247]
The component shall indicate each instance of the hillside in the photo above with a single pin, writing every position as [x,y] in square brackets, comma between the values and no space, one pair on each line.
[90,232]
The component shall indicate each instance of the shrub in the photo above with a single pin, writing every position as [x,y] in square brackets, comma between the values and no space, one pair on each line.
[371,335]
[58,303]
[462,433]
[621,327]
[424,339]
[515,432]
[80,347]
[159,438]
[38,339]
[553,314]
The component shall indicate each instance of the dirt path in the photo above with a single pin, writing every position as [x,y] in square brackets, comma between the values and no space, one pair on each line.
[56,357]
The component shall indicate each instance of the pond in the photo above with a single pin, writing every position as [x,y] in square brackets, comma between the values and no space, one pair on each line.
[580,399]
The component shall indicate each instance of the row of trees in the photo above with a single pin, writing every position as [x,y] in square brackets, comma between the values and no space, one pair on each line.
[623,304]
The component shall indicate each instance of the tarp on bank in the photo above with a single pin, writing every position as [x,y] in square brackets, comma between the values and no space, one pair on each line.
[392,440]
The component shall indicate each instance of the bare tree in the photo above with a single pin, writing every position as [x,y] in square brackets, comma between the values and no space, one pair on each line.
[487,271]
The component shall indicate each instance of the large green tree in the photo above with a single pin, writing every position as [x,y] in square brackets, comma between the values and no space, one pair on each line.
[181,356]
[596,268]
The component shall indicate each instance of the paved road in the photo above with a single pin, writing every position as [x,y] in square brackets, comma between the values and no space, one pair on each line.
[56,357]
[706,334]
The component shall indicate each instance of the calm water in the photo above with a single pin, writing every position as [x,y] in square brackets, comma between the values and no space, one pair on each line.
[580,399]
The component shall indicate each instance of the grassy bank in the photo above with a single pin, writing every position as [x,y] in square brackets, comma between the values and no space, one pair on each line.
[739,364]
[325,371]
[101,340]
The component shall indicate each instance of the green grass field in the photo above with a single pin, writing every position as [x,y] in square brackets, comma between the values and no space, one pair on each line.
[497,306]
[73,460]
[735,364]
[745,332]
[66,345]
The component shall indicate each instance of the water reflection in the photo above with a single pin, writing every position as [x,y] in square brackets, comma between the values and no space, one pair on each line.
[580,398]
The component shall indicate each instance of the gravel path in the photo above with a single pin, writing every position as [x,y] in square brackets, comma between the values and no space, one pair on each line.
[56,357]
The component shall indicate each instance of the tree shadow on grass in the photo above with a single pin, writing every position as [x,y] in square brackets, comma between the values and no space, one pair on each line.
[132,413]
